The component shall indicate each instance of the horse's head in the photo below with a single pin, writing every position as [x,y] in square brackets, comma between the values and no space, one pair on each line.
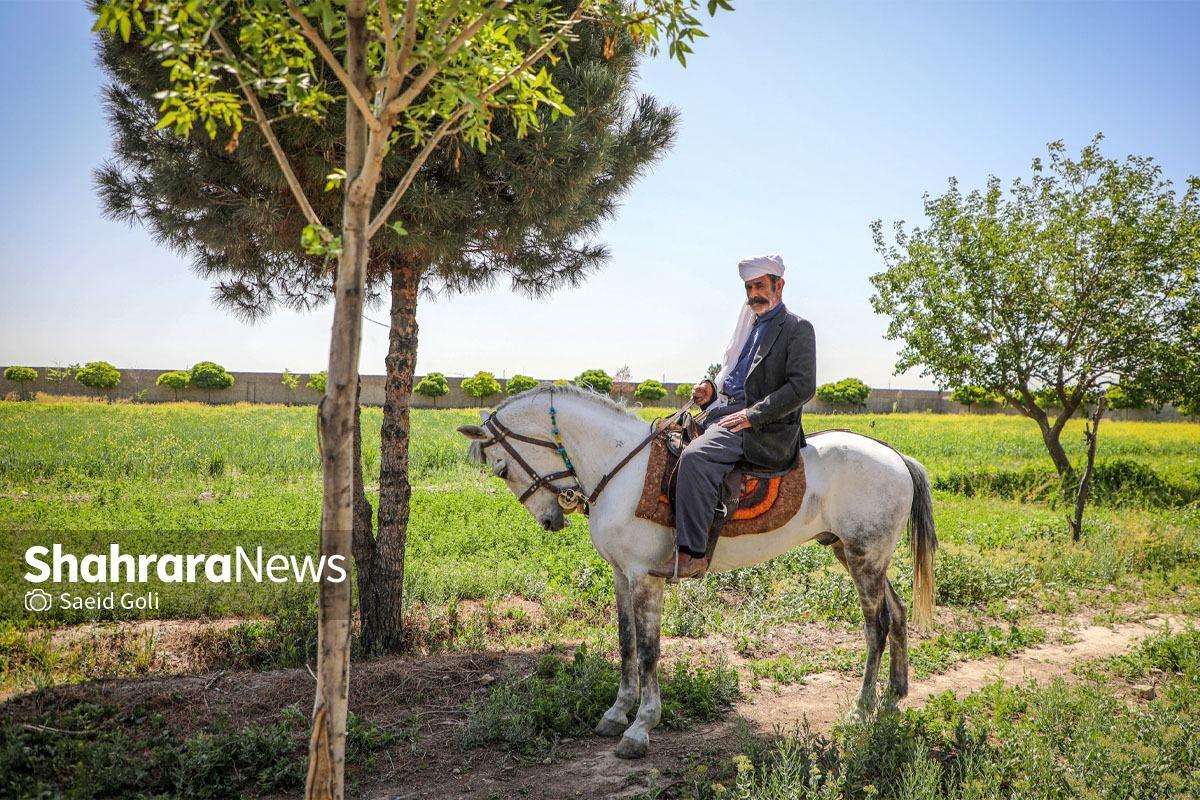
[533,483]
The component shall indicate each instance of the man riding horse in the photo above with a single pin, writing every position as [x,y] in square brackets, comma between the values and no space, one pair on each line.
[769,373]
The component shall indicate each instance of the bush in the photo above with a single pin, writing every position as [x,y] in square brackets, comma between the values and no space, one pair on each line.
[316,381]
[684,391]
[650,390]
[520,383]
[846,392]
[483,384]
[433,385]
[209,375]
[595,379]
[98,375]
[1131,396]
[527,713]
[291,382]
[175,380]
[975,396]
[20,374]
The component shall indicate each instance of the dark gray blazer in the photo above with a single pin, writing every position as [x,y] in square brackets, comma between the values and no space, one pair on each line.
[782,378]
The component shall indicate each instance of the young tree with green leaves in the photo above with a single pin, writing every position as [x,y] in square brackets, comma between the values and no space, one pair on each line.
[1072,281]
[683,392]
[520,383]
[974,396]
[481,385]
[1079,279]
[99,375]
[846,392]
[433,385]
[173,380]
[291,382]
[409,70]
[595,379]
[464,230]
[21,376]
[650,391]
[208,375]
[317,381]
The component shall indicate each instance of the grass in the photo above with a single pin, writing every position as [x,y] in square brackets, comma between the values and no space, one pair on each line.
[529,713]
[92,750]
[1055,740]
[195,478]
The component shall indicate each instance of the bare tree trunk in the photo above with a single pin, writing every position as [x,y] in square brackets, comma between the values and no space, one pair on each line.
[1085,482]
[327,747]
[381,595]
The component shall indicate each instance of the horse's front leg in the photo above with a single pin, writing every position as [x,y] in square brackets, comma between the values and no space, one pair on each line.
[616,719]
[647,612]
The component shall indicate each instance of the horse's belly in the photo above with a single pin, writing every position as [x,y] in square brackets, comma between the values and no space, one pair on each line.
[734,552]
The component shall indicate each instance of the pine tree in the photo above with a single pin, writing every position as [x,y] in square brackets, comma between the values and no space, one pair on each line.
[526,211]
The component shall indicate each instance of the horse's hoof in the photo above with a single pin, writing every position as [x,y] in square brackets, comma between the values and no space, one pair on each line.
[611,727]
[629,747]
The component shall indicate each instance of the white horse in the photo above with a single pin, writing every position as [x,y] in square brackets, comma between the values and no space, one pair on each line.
[860,494]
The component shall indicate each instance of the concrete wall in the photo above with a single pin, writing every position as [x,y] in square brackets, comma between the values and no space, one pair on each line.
[267,387]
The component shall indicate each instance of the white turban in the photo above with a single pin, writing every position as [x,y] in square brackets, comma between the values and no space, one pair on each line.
[749,268]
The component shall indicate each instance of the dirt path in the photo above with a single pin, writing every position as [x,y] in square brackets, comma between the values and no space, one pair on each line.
[589,769]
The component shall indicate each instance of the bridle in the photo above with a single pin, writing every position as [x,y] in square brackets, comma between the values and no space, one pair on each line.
[570,498]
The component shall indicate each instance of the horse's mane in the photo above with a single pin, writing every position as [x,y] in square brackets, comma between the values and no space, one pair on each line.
[602,400]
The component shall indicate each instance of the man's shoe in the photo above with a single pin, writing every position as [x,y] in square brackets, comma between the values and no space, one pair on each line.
[680,565]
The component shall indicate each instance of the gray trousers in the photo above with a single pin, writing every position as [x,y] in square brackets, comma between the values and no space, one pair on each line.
[703,466]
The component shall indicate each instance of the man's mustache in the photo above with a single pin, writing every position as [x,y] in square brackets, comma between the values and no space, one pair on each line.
[756,300]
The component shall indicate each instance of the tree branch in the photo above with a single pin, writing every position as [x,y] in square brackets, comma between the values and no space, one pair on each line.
[410,39]
[415,88]
[444,129]
[352,91]
[264,125]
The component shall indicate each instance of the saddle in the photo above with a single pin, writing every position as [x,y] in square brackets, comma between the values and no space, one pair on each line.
[753,499]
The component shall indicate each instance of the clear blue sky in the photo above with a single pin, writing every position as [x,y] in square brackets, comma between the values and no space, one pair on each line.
[801,123]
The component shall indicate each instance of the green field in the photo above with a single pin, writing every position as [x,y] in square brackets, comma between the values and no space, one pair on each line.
[202,478]
[484,578]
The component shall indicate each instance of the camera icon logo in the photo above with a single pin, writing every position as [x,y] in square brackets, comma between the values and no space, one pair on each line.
[38,600]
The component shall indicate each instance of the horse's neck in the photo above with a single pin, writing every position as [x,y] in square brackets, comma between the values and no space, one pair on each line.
[596,437]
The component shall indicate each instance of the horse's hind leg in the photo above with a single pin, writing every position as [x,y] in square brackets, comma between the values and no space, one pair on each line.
[872,591]
[616,719]
[647,594]
[898,642]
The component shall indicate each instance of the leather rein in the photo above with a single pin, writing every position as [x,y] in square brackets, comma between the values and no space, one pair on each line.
[569,498]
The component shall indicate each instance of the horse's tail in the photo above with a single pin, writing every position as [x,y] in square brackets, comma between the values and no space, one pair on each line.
[924,544]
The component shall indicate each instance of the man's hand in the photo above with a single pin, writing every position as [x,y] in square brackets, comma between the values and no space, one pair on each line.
[702,393]
[735,422]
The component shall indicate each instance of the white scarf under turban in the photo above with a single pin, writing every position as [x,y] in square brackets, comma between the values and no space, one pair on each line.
[749,268]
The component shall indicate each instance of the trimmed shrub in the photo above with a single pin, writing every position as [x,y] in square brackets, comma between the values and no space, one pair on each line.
[975,396]
[174,380]
[684,390]
[433,385]
[520,383]
[316,381]
[650,390]
[21,375]
[484,384]
[846,392]
[209,375]
[595,379]
[99,375]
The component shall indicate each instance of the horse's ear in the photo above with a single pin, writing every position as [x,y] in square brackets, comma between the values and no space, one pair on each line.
[472,432]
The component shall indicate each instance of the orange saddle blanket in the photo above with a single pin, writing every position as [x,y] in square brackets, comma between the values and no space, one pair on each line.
[764,504]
